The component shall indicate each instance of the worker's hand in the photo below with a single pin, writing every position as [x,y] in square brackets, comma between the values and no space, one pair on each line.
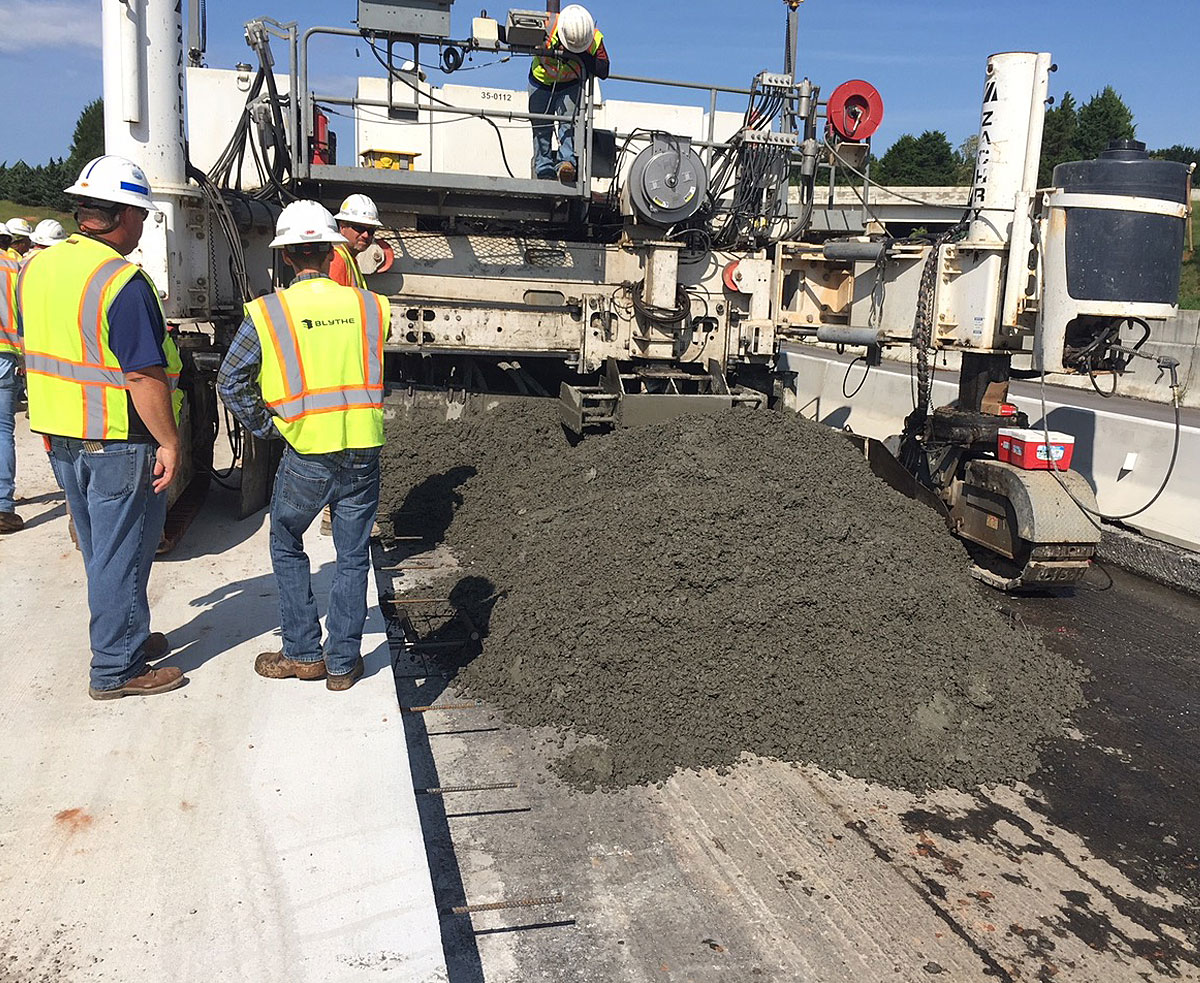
[165,466]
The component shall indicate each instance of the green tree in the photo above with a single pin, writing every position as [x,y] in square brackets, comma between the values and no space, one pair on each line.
[1102,119]
[924,161]
[1060,139]
[88,139]
[1178,153]
[965,159]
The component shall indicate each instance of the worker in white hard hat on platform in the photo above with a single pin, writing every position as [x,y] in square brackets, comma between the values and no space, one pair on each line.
[357,221]
[555,86]
[307,365]
[48,232]
[19,232]
[103,377]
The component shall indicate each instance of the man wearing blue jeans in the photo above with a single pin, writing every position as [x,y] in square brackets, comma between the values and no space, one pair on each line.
[555,87]
[102,374]
[10,387]
[307,365]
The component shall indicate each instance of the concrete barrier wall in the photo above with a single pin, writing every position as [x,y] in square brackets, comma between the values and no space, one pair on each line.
[1107,432]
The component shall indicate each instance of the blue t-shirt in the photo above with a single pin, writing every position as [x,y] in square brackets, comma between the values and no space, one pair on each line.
[135,327]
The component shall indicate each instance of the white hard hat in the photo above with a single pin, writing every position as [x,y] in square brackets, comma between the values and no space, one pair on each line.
[306,222]
[18,228]
[115,179]
[48,232]
[359,210]
[576,28]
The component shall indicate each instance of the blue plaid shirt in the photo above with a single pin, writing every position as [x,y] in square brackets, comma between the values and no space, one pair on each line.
[237,385]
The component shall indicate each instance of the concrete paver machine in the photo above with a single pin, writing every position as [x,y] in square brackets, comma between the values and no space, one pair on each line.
[663,280]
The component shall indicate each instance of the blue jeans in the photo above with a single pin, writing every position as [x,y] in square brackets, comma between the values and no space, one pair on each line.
[10,387]
[349,483]
[562,100]
[119,521]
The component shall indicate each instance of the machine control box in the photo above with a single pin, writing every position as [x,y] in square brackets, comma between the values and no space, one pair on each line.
[426,17]
[527,28]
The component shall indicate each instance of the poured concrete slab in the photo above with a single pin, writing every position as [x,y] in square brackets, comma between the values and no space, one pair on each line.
[236,829]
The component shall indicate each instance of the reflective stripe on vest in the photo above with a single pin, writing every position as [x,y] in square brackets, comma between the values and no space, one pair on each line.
[551,70]
[9,340]
[322,367]
[356,275]
[76,385]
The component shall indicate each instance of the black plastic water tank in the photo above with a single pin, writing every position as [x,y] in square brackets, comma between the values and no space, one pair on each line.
[1118,255]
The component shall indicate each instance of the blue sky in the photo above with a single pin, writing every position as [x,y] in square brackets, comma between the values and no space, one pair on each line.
[925,56]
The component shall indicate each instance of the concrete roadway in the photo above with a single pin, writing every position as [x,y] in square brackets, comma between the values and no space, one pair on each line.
[779,873]
[236,829]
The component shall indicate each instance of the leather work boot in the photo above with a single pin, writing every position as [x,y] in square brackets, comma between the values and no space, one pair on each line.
[155,646]
[11,522]
[566,172]
[276,665]
[346,679]
[149,683]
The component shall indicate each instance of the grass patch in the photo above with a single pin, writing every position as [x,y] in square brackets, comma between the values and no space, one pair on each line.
[1189,285]
[9,209]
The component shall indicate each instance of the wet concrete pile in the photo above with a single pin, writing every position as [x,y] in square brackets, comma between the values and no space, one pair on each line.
[685,594]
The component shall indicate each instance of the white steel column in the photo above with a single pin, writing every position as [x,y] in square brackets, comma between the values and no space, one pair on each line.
[144,87]
[1010,140]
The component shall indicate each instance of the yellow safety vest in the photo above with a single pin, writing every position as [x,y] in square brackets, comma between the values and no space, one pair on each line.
[322,363]
[356,275]
[9,341]
[75,383]
[557,71]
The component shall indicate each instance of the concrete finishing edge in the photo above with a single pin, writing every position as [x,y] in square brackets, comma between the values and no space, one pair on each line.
[1163,563]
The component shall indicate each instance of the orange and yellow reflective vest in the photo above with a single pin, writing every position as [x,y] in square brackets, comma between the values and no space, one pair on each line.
[9,341]
[322,363]
[550,70]
[75,382]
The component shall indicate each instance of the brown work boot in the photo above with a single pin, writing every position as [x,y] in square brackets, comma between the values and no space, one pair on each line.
[566,172]
[276,665]
[11,522]
[346,679]
[149,683]
[155,646]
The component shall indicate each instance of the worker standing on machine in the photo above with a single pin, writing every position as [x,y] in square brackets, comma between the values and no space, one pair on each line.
[357,222]
[19,231]
[307,365]
[103,376]
[555,86]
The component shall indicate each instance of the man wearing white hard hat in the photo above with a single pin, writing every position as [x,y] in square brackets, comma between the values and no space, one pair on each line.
[357,222]
[19,230]
[102,373]
[307,365]
[555,86]
[10,383]
[48,232]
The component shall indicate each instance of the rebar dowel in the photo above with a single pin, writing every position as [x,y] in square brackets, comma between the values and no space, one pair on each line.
[445,706]
[469,909]
[469,788]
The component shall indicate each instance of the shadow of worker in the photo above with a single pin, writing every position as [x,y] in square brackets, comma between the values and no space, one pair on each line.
[429,507]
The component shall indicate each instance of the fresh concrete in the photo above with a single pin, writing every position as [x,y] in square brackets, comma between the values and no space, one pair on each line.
[236,829]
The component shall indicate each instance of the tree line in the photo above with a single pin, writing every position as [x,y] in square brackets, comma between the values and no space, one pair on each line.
[41,185]
[1073,132]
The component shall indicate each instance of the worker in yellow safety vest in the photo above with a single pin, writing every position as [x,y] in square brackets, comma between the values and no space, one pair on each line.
[102,374]
[19,232]
[307,365]
[10,391]
[555,84]
[357,223]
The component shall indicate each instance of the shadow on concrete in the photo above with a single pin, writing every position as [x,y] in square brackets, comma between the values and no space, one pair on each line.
[422,676]
[48,516]
[216,528]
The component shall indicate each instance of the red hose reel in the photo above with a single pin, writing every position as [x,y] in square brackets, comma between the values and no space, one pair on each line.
[855,111]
